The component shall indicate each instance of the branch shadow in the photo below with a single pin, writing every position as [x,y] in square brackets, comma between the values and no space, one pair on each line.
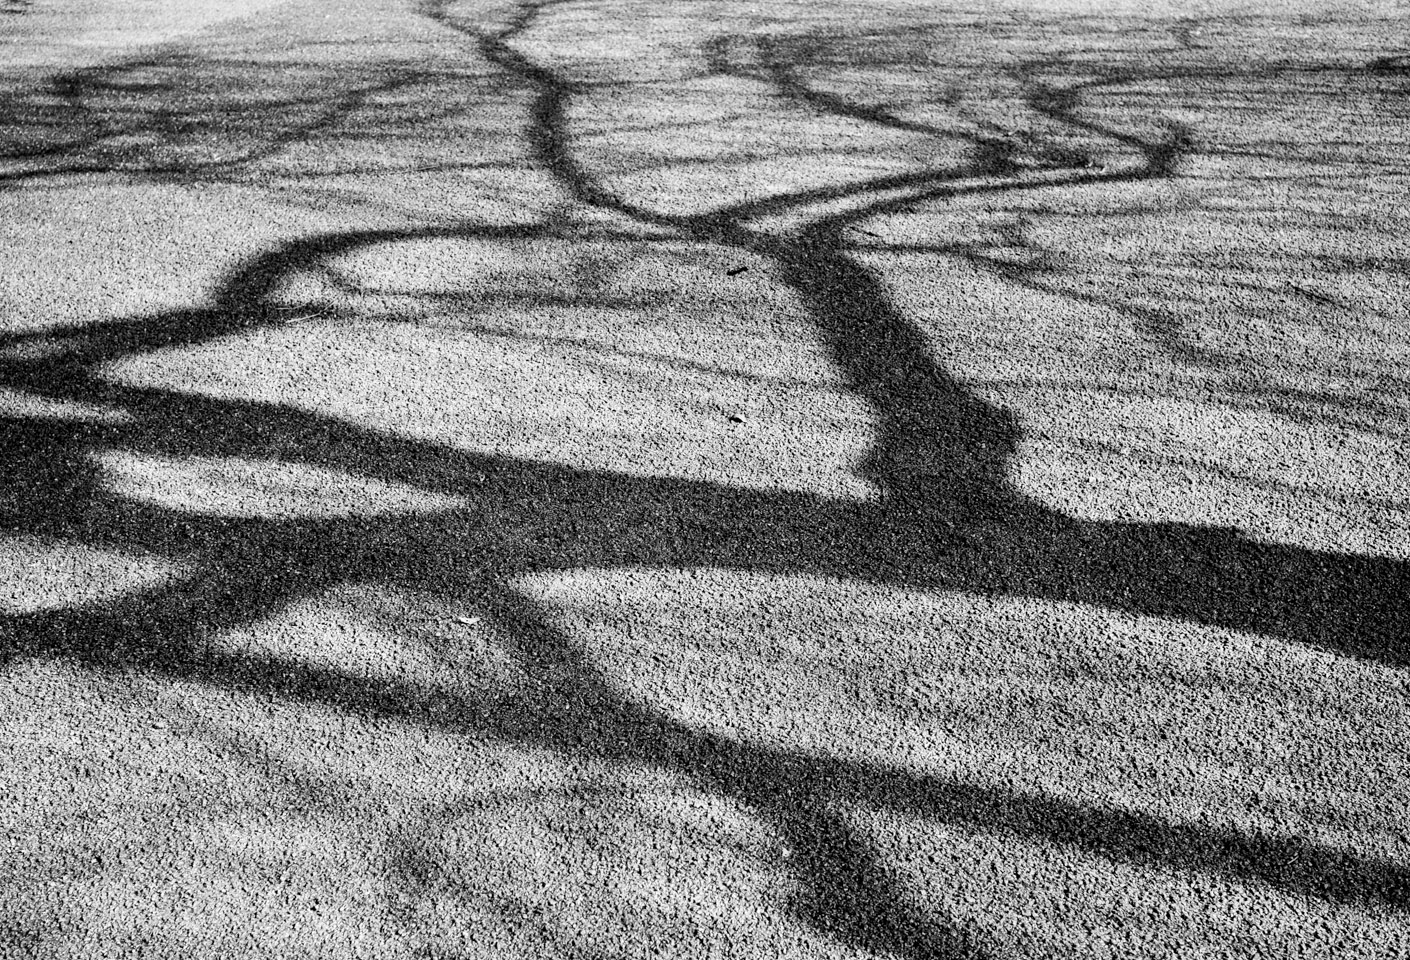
[947,518]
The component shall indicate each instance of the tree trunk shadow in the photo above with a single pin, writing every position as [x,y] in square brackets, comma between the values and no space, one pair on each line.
[947,519]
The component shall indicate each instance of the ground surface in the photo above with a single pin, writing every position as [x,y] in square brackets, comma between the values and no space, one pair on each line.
[634,479]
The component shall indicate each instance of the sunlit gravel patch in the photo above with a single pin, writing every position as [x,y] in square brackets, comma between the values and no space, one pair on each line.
[41,573]
[572,398]
[236,487]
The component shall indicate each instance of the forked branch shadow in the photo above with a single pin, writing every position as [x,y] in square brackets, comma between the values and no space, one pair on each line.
[947,519]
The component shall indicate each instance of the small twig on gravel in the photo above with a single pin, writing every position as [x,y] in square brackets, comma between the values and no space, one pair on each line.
[289,314]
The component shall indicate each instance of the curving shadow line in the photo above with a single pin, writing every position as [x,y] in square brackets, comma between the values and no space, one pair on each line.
[255,567]
[1393,65]
[574,710]
[945,527]
[98,98]
[908,390]
[797,788]
[1013,548]
[846,891]
[258,567]
[995,156]
[1334,601]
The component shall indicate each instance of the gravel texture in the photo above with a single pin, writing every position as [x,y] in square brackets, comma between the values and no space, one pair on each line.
[613,479]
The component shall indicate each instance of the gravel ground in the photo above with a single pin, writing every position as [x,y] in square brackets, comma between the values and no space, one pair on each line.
[607,478]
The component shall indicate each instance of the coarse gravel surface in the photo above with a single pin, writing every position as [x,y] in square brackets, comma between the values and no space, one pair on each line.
[628,478]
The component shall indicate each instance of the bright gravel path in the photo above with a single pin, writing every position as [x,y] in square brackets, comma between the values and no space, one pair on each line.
[616,479]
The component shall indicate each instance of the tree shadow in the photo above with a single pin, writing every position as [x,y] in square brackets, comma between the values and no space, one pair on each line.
[189,119]
[947,517]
